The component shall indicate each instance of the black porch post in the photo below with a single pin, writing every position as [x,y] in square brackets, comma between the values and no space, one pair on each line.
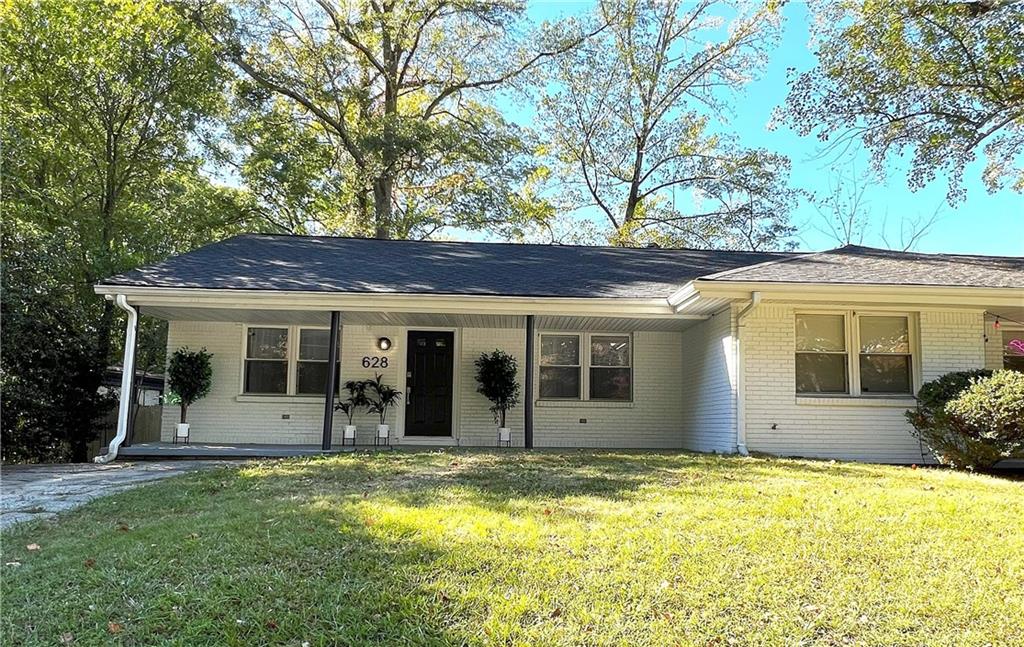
[528,410]
[133,397]
[332,384]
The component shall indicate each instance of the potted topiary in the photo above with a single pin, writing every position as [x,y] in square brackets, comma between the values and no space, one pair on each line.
[189,378]
[496,381]
[380,397]
[356,398]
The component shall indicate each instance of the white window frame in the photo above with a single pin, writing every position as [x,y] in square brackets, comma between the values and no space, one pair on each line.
[1005,328]
[291,356]
[585,364]
[851,328]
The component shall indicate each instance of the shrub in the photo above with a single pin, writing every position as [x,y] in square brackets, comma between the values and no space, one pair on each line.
[189,376]
[496,379]
[992,409]
[966,418]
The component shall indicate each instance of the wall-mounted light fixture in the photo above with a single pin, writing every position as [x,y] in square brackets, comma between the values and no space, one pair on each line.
[384,343]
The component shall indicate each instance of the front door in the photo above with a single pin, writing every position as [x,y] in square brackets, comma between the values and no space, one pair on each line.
[428,379]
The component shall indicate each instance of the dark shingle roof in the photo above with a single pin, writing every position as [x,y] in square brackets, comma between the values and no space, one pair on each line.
[854,264]
[329,264]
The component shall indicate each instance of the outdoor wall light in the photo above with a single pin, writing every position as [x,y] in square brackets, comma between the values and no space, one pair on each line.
[383,343]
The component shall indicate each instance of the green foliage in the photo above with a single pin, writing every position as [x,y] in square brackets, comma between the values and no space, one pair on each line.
[189,376]
[954,430]
[496,381]
[942,79]
[375,104]
[356,398]
[50,374]
[636,121]
[380,397]
[992,409]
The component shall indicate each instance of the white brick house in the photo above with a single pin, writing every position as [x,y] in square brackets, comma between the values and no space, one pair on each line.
[791,354]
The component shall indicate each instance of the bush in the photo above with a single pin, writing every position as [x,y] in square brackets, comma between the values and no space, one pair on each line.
[189,376]
[496,381]
[971,419]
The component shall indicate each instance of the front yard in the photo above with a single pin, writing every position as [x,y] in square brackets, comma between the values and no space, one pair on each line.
[517,549]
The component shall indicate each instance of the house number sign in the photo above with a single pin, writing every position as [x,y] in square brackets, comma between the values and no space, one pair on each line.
[375,362]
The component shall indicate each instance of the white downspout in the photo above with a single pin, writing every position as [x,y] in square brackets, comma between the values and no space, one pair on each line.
[741,369]
[127,380]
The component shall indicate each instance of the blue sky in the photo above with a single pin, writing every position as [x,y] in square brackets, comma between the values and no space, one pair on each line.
[984,224]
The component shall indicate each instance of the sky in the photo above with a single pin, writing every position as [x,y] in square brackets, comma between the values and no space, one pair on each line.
[983,224]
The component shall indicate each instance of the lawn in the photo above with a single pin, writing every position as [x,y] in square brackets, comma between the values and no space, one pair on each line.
[575,548]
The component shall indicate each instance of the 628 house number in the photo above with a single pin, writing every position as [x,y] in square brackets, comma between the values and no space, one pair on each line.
[375,362]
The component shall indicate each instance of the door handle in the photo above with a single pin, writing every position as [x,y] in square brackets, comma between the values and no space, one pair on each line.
[408,395]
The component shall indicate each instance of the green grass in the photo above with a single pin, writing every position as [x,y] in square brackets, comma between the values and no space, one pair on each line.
[580,548]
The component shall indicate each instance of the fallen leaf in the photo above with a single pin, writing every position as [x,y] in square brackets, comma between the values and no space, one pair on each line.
[271,625]
[89,563]
[194,535]
[547,511]
[557,612]
[113,627]
[33,547]
[67,638]
[122,526]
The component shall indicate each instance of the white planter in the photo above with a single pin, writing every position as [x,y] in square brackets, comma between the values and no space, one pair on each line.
[504,435]
[181,431]
[383,431]
[350,432]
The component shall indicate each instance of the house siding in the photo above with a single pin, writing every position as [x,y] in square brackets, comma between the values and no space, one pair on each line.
[708,385]
[651,421]
[778,422]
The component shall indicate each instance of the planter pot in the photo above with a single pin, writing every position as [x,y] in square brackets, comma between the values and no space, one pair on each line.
[383,435]
[349,434]
[181,432]
[504,436]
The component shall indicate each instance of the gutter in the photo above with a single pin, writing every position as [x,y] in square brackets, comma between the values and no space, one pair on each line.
[741,369]
[127,375]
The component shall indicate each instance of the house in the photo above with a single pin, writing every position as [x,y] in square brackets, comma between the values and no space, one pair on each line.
[797,354]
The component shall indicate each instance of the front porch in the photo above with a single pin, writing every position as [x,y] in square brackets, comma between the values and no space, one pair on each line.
[169,451]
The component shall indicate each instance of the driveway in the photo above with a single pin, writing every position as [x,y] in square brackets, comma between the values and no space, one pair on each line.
[41,491]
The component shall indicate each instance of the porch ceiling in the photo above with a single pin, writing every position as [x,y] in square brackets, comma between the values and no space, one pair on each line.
[431,319]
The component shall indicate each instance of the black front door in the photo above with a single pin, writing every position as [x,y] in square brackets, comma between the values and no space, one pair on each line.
[428,378]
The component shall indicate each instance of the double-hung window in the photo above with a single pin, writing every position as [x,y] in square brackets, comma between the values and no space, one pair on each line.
[586,366]
[884,362]
[285,360]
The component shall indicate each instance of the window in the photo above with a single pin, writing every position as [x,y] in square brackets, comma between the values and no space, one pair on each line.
[311,366]
[560,366]
[603,372]
[266,360]
[1013,349]
[285,360]
[821,361]
[610,372]
[884,364]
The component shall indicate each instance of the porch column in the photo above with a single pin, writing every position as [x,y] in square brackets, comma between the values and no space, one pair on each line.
[528,408]
[332,384]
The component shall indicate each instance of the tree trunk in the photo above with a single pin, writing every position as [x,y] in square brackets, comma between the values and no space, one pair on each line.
[184,409]
[383,186]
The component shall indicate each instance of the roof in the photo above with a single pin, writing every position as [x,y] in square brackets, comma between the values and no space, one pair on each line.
[854,264]
[366,265]
[363,265]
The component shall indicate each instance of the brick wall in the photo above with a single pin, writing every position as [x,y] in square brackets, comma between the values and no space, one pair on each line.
[708,386]
[848,428]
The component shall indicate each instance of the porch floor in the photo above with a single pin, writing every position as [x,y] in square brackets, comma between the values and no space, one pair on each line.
[165,451]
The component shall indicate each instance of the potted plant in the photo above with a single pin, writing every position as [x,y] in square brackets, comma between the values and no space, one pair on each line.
[189,378]
[496,381]
[379,398]
[356,398]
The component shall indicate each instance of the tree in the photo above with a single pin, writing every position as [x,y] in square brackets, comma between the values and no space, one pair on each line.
[100,101]
[631,119]
[394,88]
[50,374]
[189,376]
[496,381]
[944,80]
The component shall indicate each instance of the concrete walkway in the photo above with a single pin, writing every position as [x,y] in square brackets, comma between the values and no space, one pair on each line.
[41,491]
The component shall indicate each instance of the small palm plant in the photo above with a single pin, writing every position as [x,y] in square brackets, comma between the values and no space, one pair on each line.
[356,399]
[380,398]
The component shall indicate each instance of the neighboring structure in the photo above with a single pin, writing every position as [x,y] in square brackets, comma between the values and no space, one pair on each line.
[788,353]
